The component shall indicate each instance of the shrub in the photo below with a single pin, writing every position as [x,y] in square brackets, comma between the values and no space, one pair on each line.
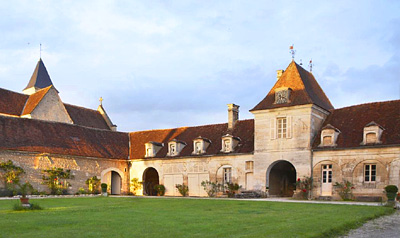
[183,189]
[345,190]
[135,185]
[160,189]
[232,188]
[304,185]
[93,184]
[25,189]
[81,191]
[391,189]
[211,188]
[56,180]
[33,206]
[391,192]
[10,173]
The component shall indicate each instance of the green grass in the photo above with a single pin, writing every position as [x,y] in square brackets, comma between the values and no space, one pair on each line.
[169,217]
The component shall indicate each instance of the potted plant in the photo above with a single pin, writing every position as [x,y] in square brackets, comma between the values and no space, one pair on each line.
[391,192]
[104,189]
[25,189]
[160,189]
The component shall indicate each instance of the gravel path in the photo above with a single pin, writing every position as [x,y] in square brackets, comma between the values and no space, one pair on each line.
[382,227]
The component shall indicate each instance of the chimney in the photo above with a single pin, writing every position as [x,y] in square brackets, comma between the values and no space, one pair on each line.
[279,73]
[233,115]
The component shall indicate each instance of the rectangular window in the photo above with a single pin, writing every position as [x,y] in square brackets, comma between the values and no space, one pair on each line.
[249,165]
[227,175]
[370,173]
[198,148]
[282,127]
[227,145]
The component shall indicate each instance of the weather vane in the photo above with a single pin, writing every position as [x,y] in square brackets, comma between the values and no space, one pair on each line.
[310,65]
[40,51]
[101,101]
[292,51]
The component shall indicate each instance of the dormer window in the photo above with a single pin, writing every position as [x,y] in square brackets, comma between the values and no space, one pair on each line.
[329,135]
[200,145]
[372,134]
[175,147]
[229,143]
[282,95]
[152,148]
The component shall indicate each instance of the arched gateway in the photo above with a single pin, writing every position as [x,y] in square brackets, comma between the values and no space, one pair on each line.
[150,179]
[281,179]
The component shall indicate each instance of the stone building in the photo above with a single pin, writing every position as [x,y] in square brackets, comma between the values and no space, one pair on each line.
[295,133]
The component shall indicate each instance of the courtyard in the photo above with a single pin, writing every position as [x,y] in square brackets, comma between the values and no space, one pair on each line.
[177,217]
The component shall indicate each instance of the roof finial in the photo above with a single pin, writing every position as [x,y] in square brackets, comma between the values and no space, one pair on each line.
[310,65]
[292,51]
[40,54]
[101,101]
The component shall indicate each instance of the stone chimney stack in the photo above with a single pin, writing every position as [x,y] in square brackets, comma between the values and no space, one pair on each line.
[233,115]
[279,73]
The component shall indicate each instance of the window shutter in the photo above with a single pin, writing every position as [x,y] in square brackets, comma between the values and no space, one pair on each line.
[289,127]
[273,129]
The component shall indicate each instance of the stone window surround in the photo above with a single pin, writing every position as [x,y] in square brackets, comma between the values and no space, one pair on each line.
[372,128]
[282,95]
[329,131]
[152,148]
[204,144]
[249,166]
[229,143]
[175,147]
[286,132]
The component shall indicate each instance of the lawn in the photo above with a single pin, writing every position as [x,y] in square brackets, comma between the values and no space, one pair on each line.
[174,217]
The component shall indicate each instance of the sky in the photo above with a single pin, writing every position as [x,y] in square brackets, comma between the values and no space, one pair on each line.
[167,64]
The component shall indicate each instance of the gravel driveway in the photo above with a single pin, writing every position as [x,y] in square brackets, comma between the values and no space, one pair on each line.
[382,227]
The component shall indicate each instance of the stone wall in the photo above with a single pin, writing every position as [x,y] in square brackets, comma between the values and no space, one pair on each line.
[349,165]
[81,167]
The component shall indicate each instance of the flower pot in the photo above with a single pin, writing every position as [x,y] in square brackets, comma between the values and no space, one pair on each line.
[391,196]
[24,200]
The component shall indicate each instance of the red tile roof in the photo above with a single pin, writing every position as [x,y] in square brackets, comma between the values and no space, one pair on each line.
[17,104]
[243,129]
[352,120]
[34,100]
[305,90]
[22,134]
[86,117]
[12,103]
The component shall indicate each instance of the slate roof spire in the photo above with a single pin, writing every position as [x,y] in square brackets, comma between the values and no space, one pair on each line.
[40,79]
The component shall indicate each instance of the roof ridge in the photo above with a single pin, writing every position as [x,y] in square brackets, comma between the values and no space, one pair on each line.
[63,123]
[367,103]
[184,127]
[13,91]
[80,107]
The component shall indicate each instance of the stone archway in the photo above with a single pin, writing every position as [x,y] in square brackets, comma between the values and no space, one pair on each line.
[150,179]
[281,179]
[113,178]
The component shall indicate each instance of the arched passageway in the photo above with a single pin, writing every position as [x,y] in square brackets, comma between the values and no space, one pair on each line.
[281,179]
[150,179]
[115,183]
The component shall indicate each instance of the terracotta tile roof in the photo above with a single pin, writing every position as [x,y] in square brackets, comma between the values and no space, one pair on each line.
[12,103]
[243,129]
[352,120]
[23,134]
[305,90]
[34,100]
[86,117]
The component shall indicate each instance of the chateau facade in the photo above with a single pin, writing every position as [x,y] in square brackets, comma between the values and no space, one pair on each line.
[295,133]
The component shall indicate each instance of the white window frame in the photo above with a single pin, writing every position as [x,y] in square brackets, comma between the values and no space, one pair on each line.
[281,131]
[227,175]
[369,173]
[281,127]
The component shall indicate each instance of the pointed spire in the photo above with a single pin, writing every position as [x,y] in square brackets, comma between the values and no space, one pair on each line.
[40,79]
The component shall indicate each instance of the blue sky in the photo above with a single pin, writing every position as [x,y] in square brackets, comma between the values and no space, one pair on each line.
[164,64]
